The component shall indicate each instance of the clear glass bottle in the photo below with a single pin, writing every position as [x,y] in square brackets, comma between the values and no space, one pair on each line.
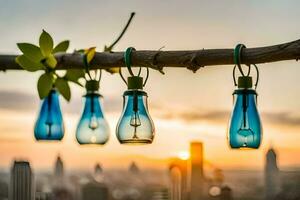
[135,125]
[92,127]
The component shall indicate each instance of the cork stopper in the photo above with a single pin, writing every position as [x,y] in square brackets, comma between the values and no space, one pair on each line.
[245,82]
[92,85]
[135,83]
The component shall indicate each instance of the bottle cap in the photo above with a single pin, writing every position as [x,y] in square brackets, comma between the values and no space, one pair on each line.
[135,83]
[92,85]
[245,82]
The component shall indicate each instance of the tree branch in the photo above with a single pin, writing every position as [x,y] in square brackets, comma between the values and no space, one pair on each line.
[109,49]
[186,59]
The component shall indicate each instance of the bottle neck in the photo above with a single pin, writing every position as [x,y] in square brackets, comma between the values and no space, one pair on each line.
[92,104]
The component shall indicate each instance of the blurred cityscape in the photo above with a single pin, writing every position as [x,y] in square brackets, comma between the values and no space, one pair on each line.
[183,179]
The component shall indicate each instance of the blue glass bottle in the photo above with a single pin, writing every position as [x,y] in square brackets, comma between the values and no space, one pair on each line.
[49,125]
[245,129]
[135,125]
[92,127]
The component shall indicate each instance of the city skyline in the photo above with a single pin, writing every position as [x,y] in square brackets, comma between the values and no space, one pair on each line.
[184,179]
[197,109]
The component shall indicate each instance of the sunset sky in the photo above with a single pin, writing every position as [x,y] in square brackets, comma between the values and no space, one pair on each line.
[184,106]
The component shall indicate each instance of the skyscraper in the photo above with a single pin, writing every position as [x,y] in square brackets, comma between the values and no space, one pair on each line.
[176,183]
[3,191]
[94,191]
[196,164]
[133,168]
[272,179]
[98,173]
[178,170]
[59,180]
[226,193]
[59,167]
[21,183]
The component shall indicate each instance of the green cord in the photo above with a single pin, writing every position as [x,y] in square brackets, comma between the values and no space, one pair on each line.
[135,81]
[237,54]
[127,58]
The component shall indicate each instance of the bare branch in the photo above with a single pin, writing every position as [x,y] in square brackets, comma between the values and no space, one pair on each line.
[109,49]
[185,59]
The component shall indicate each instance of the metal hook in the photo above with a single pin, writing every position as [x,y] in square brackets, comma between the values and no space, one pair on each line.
[127,59]
[146,79]
[257,74]
[99,75]
[147,76]
[233,75]
[120,72]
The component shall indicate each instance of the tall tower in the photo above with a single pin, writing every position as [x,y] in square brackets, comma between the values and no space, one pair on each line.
[196,164]
[178,170]
[21,182]
[133,168]
[98,173]
[59,167]
[272,179]
[59,181]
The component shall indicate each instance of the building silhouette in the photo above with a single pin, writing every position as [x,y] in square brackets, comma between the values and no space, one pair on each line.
[94,191]
[157,192]
[59,167]
[178,170]
[196,171]
[226,193]
[43,196]
[21,182]
[187,179]
[58,178]
[133,168]
[98,169]
[61,194]
[3,191]
[98,173]
[272,179]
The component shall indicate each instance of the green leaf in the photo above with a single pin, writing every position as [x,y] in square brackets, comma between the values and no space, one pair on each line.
[44,85]
[27,64]
[46,43]
[61,47]
[74,74]
[113,70]
[90,53]
[63,88]
[50,61]
[31,51]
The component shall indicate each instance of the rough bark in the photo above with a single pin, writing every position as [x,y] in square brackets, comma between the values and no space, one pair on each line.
[192,59]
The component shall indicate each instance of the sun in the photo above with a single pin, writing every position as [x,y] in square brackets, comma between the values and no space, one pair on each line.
[184,155]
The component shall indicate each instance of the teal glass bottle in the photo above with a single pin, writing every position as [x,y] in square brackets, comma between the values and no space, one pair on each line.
[92,127]
[49,125]
[245,129]
[135,125]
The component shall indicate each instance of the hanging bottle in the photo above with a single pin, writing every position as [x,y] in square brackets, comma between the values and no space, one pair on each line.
[245,129]
[92,127]
[135,125]
[49,125]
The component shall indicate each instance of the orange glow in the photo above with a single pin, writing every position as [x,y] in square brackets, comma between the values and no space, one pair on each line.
[184,155]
